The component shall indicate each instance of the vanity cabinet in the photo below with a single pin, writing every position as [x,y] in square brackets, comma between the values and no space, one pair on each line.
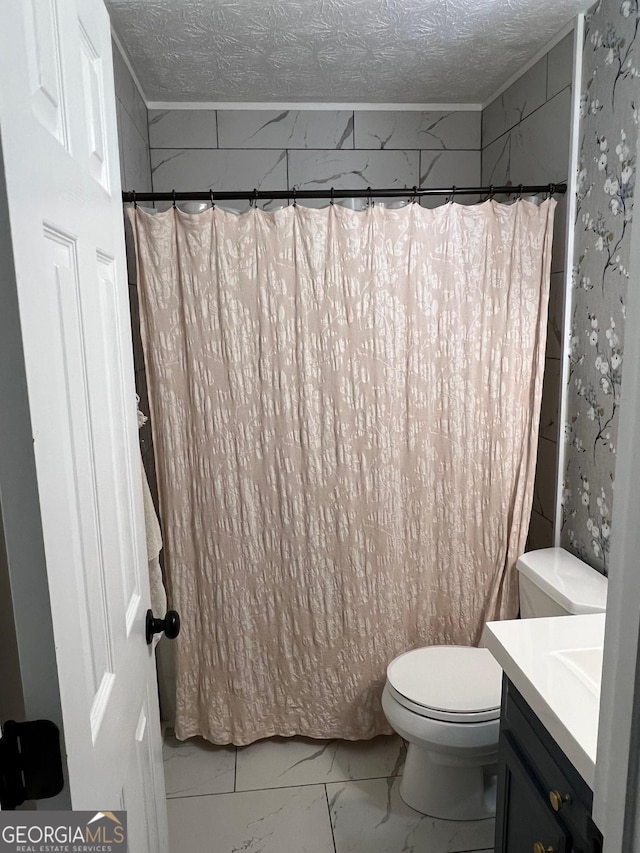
[544,805]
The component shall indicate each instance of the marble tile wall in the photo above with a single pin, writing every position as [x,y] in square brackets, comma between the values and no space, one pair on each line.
[525,139]
[135,171]
[312,149]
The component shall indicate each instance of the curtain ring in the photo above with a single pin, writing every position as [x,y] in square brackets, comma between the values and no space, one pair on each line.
[492,192]
[254,203]
[453,194]
[293,192]
[552,191]
[332,196]
[414,197]
[133,199]
[520,188]
[213,204]
[371,202]
[173,194]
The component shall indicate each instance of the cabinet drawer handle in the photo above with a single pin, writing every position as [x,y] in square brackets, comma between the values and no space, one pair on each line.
[558,800]
[539,847]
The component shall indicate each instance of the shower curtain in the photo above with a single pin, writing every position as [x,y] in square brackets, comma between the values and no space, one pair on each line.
[345,411]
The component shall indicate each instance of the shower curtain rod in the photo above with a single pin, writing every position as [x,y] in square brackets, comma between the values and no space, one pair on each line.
[332,193]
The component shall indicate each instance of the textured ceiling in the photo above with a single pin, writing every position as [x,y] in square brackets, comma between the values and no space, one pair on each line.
[373,51]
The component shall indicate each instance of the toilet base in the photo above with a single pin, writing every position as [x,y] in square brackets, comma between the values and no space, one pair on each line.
[434,785]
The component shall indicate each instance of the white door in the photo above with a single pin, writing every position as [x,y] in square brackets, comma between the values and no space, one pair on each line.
[59,143]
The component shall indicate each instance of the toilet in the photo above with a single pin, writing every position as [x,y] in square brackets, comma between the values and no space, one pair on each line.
[445,700]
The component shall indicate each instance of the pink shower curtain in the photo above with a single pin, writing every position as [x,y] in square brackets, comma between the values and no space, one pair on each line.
[345,410]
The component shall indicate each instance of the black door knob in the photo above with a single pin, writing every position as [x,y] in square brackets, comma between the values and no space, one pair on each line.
[170,625]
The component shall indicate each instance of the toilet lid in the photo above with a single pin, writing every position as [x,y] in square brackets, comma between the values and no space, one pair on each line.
[453,682]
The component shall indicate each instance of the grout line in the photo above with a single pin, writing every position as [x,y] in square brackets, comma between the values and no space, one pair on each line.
[149,166]
[235,770]
[550,440]
[280,787]
[546,80]
[217,130]
[353,119]
[130,114]
[292,148]
[286,161]
[330,782]
[333,838]
[249,791]
[134,125]
[481,154]
[524,118]
[303,106]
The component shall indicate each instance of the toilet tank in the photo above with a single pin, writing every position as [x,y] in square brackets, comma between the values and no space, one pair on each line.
[553,582]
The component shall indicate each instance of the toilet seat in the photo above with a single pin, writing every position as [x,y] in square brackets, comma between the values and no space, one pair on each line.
[455,684]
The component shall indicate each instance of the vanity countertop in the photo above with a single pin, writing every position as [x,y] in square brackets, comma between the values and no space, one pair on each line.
[556,664]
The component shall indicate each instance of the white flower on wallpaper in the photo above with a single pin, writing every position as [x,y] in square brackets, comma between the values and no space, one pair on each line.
[617,42]
[605,192]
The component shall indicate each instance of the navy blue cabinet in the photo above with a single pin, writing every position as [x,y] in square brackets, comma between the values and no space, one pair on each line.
[544,805]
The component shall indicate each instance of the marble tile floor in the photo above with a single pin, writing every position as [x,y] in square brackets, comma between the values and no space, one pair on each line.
[295,795]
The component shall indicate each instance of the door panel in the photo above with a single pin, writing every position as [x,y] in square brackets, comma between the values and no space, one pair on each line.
[44,66]
[525,817]
[59,141]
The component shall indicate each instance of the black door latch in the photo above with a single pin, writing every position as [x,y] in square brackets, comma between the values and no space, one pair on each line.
[30,762]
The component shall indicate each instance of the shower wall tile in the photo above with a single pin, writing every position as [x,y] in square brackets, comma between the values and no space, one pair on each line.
[370,817]
[312,149]
[144,433]
[197,169]
[133,147]
[545,487]
[134,308]
[149,463]
[120,116]
[556,309]
[526,140]
[496,162]
[425,130]
[346,169]
[130,251]
[550,399]
[134,155]
[183,129]
[523,97]
[540,143]
[139,115]
[283,819]
[128,94]
[448,169]
[135,173]
[331,129]
[279,762]
[560,66]
[124,86]
[540,532]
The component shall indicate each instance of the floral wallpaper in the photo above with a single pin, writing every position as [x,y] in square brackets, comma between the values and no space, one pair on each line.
[610,101]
